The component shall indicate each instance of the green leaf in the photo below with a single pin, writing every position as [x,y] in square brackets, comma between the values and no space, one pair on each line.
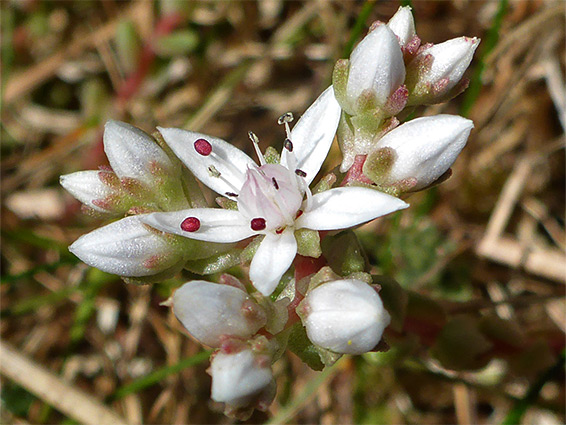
[344,253]
[303,348]
[178,43]
[461,345]
[216,263]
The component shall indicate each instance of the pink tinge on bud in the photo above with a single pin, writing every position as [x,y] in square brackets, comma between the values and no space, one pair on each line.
[258,224]
[203,147]
[190,224]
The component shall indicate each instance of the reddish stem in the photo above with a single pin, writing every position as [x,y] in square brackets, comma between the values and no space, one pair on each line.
[355,173]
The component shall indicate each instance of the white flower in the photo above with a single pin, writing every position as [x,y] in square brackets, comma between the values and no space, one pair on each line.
[423,150]
[210,311]
[270,196]
[376,64]
[403,25]
[126,248]
[437,69]
[344,316]
[240,379]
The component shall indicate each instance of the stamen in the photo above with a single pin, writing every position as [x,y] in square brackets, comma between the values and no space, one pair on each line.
[203,147]
[287,144]
[258,224]
[275,183]
[213,171]
[286,118]
[255,142]
[232,194]
[190,224]
[300,173]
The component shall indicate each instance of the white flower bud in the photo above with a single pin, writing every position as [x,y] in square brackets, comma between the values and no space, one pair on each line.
[210,310]
[126,248]
[445,65]
[87,187]
[132,153]
[344,316]
[424,149]
[376,64]
[241,379]
[403,25]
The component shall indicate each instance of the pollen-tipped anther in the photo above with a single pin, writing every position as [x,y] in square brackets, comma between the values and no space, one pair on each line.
[203,147]
[190,224]
[285,118]
[258,224]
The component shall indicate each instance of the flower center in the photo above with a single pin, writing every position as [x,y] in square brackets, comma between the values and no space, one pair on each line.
[272,194]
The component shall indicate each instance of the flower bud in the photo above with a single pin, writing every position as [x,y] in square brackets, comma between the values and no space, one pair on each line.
[242,379]
[403,25]
[344,316]
[436,70]
[420,151]
[132,153]
[376,71]
[87,187]
[127,248]
[210,311]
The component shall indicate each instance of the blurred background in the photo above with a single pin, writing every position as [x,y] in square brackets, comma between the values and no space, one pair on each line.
[482,255]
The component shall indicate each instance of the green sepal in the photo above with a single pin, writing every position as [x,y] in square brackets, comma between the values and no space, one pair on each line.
[308,243]
[249,251]
[325,183]
[378,164]
[344,253]
[216,263]
[395,300]
[300,344]
[340,83]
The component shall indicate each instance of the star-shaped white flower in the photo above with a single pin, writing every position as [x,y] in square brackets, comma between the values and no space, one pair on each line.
[273,200]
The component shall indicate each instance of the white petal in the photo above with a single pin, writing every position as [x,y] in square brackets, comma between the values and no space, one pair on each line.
[131,152]
[210,310]
[122,248]
[376,63]
[451,59]
[426,147]
[230,161]
[216,225]
[403,25]
[272,259]
[313,134]
[344,207]
[238,379]
[86,186]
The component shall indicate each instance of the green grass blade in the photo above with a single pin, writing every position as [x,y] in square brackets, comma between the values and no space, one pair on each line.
[288,412]
[491,39]
[160,374]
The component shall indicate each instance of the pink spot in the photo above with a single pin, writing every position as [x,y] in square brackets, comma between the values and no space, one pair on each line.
[258,224]
[203,147]
[190,224]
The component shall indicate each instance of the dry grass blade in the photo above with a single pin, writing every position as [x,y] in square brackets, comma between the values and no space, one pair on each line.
[53,390]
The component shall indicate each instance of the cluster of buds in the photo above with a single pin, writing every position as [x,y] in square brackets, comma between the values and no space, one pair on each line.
[271,218]
[404,74]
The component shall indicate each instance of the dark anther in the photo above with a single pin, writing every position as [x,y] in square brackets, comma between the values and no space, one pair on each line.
[287,144]
[275,183]
[232,194]
[300,173]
